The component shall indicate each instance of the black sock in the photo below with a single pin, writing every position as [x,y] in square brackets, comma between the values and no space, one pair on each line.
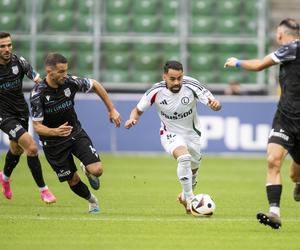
[36,170]
[11,162]
[81,190]
[274,194]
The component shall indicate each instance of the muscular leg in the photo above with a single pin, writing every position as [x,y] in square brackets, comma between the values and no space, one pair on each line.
[29,146]
[184,171]
[275,156]
[12,158]
[79,188]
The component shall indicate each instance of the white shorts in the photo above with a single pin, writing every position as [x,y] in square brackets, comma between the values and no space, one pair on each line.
[171,141]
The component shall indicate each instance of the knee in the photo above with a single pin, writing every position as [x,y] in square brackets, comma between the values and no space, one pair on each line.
[95,169]
[32,149]
[74,180]
[274,162]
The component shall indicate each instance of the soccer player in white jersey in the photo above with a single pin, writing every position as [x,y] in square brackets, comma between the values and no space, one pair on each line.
[175,99]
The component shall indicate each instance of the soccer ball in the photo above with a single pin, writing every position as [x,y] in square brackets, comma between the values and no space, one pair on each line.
[202,205]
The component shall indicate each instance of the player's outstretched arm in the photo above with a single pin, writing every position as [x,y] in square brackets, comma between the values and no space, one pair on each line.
[62,131]
[133,118]
[250,65]
[113,114]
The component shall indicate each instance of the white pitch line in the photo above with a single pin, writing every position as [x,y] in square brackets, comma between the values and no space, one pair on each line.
[133,219]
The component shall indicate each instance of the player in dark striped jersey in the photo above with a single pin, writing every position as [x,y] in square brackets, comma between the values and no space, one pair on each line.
[284,137]
[175,99]
[14,118]
[55,120]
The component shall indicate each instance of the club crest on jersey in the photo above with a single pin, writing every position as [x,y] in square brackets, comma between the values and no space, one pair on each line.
[15,69]
[48,97]
[67,92]
[185,100]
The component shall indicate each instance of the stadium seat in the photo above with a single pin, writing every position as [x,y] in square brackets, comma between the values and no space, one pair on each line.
[170,7]
[59,21]
[145,23]
[8,21]
[145,47]
[201,47]
[146,76]
[201,61]
[65,5]
[226,76]
[116,60]
[85,46]
[86,6]
[250,27]
[204,77]
[85,61]
[114,76]
[170,47]
[229,25]
[228,7]
[169,55]
[146,61]
[9,6]
[115,46]
[170,24]
[202,24]
[117,23]
[117,7]
[145,7]
[202,7]
[85,23]
[230,48]
[59,45]
[251,8]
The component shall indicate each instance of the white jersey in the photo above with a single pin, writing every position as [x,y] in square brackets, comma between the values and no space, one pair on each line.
[177,111]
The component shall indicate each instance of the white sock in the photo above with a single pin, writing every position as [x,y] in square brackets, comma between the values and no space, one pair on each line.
[4,177]
[43,188]
[275,210]
[184,174]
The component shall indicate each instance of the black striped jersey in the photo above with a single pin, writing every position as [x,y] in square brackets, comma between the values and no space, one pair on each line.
[55,106]
[288,56]
[177,111]
[12,101]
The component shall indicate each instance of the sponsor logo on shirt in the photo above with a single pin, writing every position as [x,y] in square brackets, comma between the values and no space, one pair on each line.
[177,116]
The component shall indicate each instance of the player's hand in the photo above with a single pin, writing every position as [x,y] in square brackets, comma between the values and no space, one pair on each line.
[230,62]
[115,117]
[214,104]
[129,123]
[64,130]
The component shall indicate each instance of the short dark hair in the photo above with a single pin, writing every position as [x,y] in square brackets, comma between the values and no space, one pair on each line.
[55,58]
[291,25]
[4,34]
[173,65]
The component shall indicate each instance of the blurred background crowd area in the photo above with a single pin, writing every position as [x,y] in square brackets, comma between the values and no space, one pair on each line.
[124,43]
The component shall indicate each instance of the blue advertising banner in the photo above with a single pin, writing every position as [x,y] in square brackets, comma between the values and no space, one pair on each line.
[241,127]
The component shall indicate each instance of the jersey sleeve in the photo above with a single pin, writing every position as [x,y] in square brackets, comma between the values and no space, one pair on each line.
[200,92]
[147,100]
[285,53]
[28,70]
[83,84]
[37,111]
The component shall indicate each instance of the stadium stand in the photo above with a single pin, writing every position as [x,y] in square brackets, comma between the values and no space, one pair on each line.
[106,38]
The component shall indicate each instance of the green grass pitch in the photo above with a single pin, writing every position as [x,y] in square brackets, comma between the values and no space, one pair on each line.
[140,211]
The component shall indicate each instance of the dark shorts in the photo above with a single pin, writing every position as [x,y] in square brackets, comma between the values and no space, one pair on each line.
[286,132]
[61,157]
[14,127]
